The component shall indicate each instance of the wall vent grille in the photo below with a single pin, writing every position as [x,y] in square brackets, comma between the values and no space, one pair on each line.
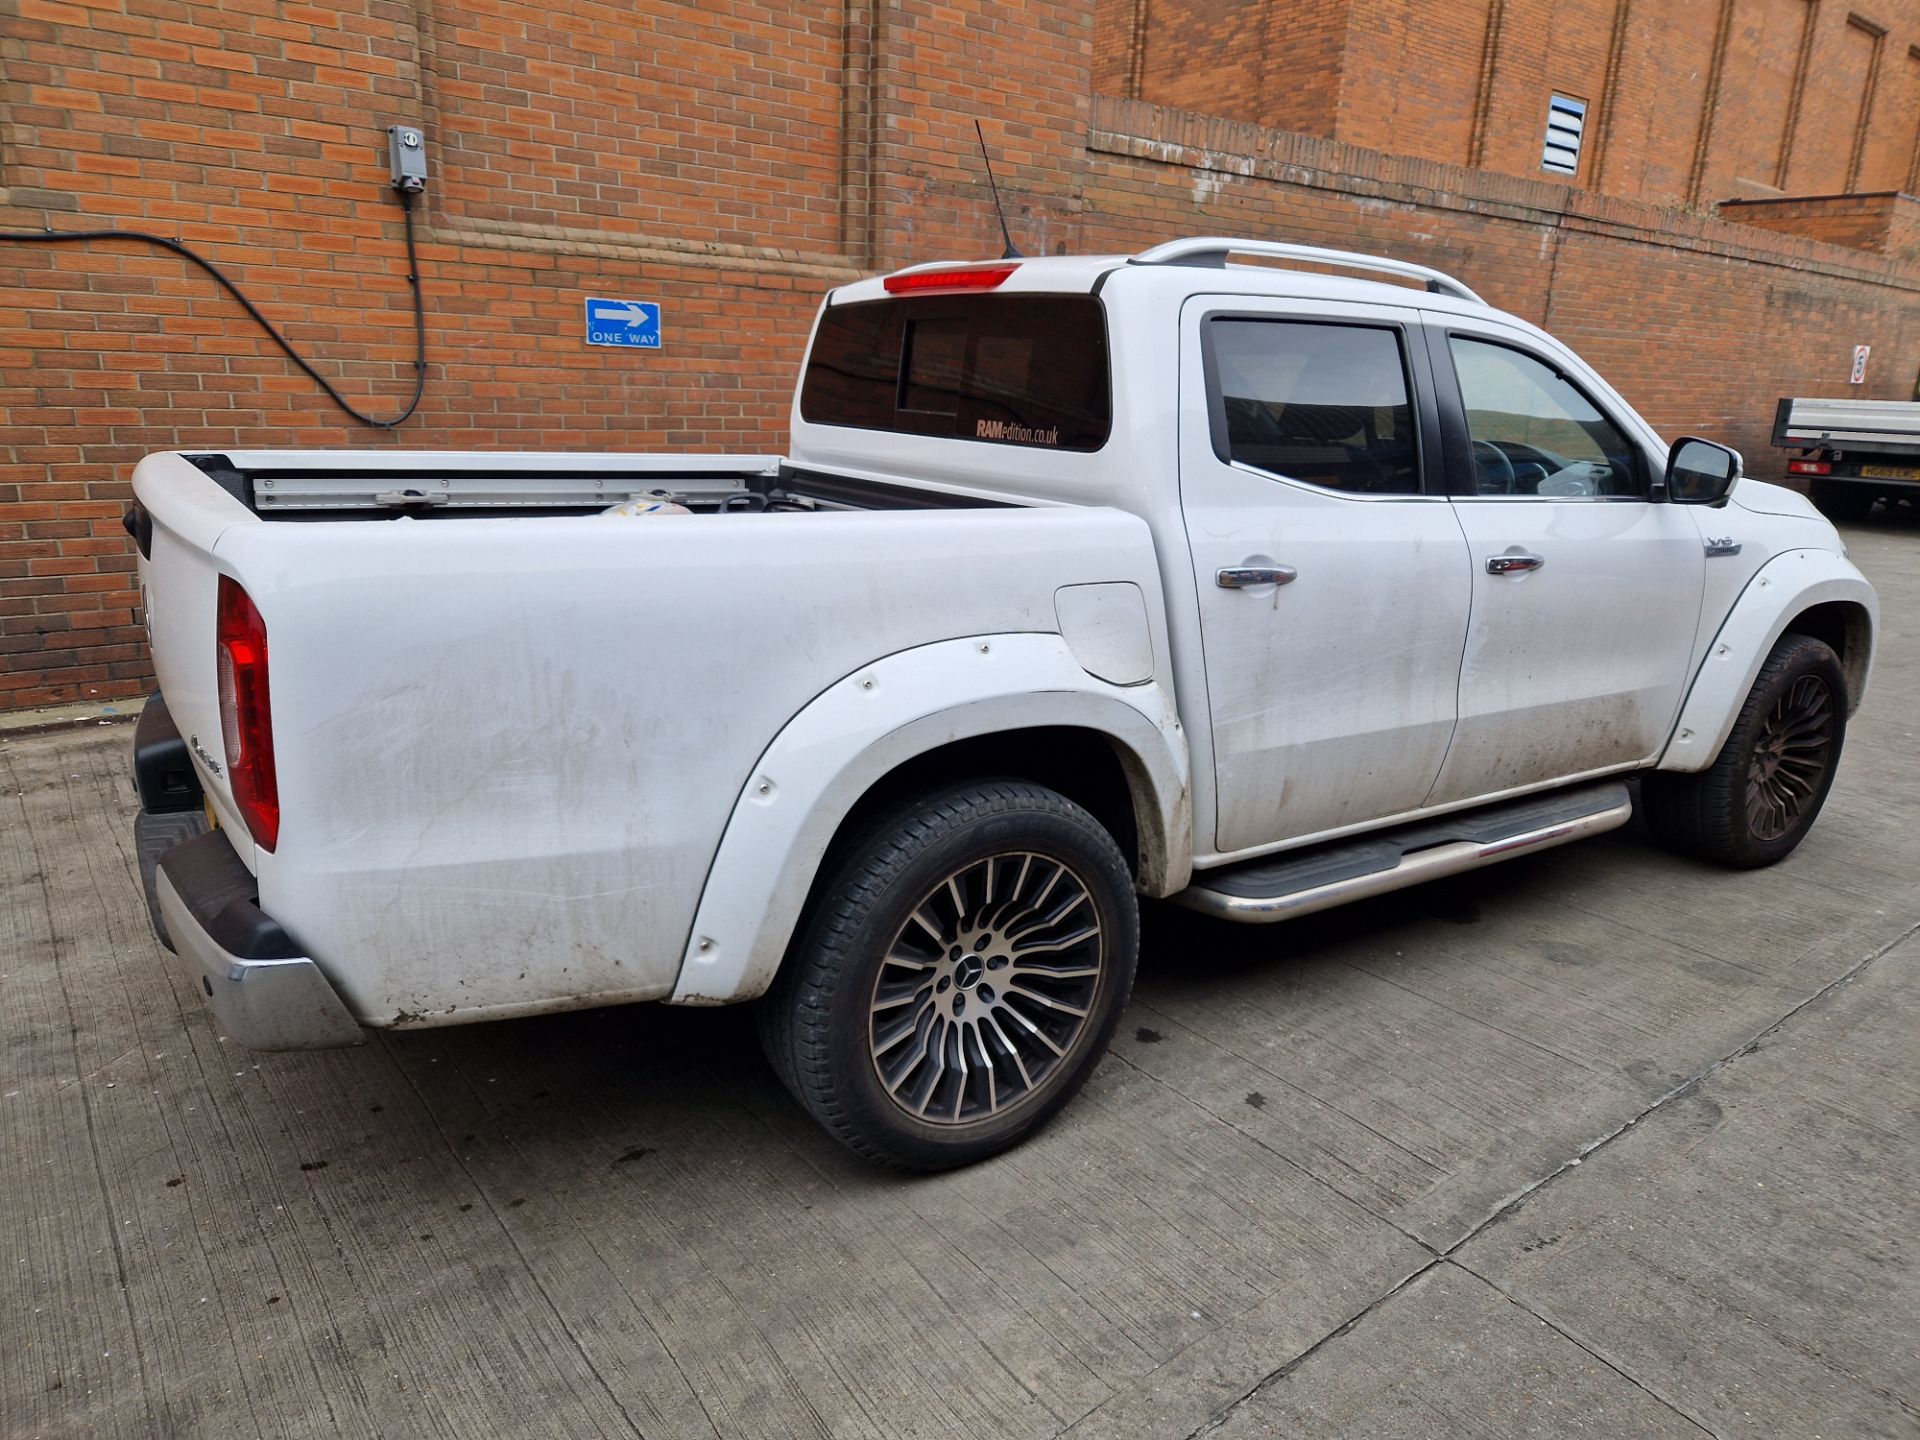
[1566,121]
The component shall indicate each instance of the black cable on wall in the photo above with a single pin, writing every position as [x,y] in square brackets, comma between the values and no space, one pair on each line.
[52,236]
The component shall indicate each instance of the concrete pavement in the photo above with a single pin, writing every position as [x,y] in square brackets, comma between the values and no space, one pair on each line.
[1597,1143]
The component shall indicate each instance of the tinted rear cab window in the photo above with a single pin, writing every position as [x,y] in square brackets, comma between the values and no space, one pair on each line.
[1324,403]
[1022,370]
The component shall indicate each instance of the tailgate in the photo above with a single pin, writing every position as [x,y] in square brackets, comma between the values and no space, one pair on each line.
[187,512]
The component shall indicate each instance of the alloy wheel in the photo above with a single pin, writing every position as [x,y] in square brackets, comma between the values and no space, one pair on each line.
[986,989]
[1791,753]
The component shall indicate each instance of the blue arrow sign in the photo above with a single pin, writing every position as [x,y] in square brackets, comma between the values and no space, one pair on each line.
[634,323]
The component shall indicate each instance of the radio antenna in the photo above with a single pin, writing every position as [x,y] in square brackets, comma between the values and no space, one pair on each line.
[1011,252]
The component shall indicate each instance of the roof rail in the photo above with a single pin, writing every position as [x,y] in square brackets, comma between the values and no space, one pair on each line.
[1212,250]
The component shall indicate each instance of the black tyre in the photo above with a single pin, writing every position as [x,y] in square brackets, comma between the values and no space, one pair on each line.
[959,977]
[1760,796]
[1841,503]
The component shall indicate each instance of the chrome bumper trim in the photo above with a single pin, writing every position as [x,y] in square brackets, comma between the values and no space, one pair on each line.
[261,1004]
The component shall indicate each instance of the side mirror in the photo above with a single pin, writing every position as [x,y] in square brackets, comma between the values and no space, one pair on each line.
[1700,472]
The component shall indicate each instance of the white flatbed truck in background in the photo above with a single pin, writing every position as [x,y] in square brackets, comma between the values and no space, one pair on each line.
[1852,452]
[1084,579]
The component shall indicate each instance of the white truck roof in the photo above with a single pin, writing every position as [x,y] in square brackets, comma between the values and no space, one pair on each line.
[1201,257]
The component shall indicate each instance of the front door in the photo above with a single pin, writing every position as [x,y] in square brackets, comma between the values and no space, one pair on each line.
[1585,593]
[1332,575]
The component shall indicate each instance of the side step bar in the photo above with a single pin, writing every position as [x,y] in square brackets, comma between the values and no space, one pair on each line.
[1280,887]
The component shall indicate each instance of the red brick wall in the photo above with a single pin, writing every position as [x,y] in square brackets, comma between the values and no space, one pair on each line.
[579,112]
[1690,101]
[1647,136]
[1888,222]
[1279,65]
[1416,69]
[1890,157]
[1842,58]
[1749,139]
[730,160]
[1022,68]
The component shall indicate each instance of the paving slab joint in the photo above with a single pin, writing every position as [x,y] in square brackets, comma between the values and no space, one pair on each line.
[1515,1201]
[1686,1087]
[1587,1349]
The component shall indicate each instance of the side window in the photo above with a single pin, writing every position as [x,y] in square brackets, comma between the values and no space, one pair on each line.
[1534,434]
[1326,404]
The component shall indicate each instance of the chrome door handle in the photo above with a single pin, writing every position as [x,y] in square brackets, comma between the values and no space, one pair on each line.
[1513,564]
[1239,577]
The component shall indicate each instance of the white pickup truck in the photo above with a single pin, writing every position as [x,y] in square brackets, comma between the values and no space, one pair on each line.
[1851,453]
[1256,588]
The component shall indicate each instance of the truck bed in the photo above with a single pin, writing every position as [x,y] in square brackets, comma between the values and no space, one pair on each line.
[281,485]
[508,739]
[1881,426]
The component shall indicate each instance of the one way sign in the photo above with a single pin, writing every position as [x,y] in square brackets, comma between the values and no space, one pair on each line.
[623,322]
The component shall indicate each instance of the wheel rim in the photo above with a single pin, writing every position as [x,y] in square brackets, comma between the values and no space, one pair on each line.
[987,989]
[1790,758]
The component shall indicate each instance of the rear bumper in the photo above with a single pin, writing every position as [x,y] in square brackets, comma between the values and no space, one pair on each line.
[205,907]
[266,994]
[1855,468]
[1890,484]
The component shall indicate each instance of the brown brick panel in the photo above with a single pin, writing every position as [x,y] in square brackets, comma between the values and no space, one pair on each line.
[1691,101]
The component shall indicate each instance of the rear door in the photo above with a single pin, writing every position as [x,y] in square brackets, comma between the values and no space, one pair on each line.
[1332,575]
[1586,592]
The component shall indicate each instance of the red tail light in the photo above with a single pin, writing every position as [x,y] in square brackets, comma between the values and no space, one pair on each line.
[1809,467]
[957,277]
[246,713]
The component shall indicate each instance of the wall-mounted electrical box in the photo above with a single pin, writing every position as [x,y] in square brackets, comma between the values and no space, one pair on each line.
[407,157]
